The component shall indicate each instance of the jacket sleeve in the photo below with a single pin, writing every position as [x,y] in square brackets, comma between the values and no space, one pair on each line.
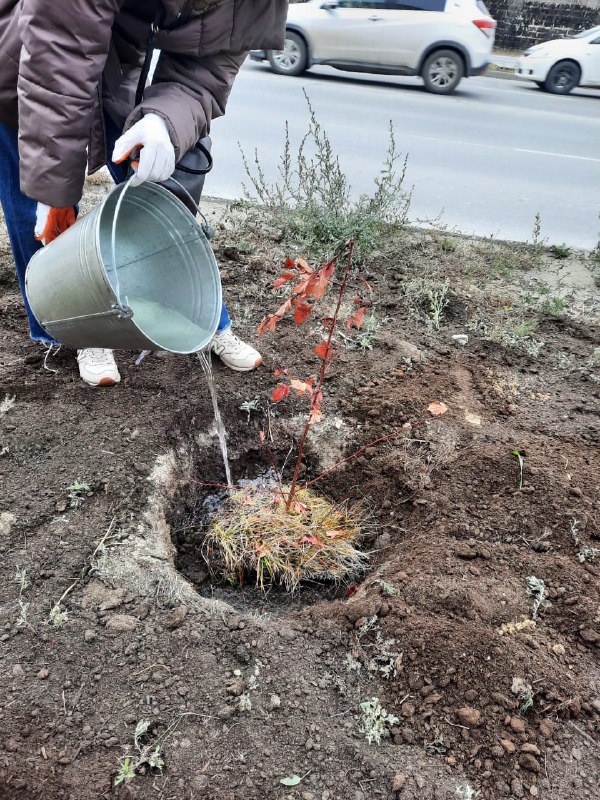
[188,92]
[199,61]
[64,49]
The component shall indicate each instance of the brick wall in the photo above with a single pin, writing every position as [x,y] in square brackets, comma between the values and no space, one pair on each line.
[522,23]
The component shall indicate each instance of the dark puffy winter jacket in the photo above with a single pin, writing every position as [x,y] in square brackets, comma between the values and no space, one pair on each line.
[66,62]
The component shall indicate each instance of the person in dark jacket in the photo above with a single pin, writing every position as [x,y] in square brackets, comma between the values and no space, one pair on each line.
[68,77]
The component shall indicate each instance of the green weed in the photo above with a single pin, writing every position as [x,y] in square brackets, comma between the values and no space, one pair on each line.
[375,720]
[311,202]
[560,251]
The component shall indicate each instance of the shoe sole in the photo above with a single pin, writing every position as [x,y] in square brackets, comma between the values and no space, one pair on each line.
[101,382]
[256,364]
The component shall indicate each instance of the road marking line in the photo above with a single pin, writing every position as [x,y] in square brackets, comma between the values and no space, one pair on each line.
[501,147]
[556,155]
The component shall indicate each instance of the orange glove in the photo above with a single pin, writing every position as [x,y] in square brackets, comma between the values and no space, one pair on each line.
[51,222]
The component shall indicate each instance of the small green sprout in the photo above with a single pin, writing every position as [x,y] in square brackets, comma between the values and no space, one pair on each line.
[77,491]
[249,405]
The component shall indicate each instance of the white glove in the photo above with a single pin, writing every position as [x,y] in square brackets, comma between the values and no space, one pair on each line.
[157,154]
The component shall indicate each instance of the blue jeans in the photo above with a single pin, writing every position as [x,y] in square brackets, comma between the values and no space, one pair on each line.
[20,212]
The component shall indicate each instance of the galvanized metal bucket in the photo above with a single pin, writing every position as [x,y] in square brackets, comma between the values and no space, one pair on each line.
[136,273]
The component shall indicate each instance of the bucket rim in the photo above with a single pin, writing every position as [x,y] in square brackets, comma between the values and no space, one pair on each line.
[124,308]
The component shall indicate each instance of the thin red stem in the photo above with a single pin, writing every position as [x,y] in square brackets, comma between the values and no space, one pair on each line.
[325,360]
[356,454]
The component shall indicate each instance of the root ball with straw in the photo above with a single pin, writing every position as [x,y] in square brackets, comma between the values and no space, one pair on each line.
[253,535]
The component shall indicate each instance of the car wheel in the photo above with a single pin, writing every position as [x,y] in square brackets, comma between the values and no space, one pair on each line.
[562,78]
[442,71]
[293,59]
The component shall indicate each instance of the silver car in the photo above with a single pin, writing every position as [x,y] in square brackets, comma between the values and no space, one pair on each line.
[440,40]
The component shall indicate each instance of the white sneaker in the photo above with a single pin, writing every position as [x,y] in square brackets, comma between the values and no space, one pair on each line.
[97,367]
[235,353]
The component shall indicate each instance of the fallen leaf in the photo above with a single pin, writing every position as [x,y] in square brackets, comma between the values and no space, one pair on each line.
[261,436]
[351,590]
[279,372]
[294,780]
[311,540]
[437,408]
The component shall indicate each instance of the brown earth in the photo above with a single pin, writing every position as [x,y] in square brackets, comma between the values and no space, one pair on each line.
[247,689]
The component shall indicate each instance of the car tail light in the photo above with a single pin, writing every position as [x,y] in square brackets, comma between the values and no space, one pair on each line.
[486,26]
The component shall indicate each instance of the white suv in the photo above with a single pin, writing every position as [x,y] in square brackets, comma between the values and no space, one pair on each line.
[560,65]
[440,40]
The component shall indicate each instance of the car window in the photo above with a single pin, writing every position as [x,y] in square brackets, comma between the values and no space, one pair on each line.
[483,8]
[595,41]
[417,5]
[362,4]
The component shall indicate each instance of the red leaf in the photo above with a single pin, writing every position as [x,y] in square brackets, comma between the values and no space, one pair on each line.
[299,289]
[351,590]
[268,324]
[316,415]
[319,285]
[324,351]
[302,312]
[261,436]
[304,267]
[300,508]
[280,391]
[290,263]
[356,320]
[279,372]
[283,309]
[283,279]
[301,387]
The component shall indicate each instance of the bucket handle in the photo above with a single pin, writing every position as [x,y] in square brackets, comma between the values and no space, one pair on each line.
[206,226]
[123,308]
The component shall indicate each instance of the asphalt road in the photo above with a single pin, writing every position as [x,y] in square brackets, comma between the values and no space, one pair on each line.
[486,159]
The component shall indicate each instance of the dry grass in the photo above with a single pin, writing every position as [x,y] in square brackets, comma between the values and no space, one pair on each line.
[252,534]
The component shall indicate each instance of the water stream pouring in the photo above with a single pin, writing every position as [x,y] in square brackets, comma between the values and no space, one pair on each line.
[206,362]
[136,273]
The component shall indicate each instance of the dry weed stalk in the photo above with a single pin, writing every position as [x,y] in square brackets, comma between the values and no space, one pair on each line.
[254,533]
